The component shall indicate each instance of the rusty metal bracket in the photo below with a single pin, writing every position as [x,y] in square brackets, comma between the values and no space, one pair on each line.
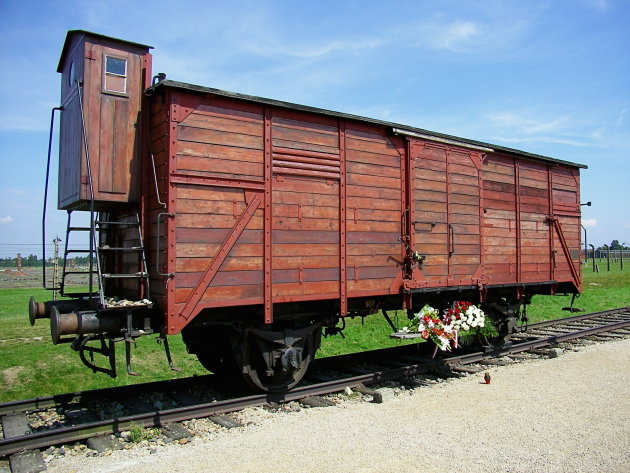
[565,247]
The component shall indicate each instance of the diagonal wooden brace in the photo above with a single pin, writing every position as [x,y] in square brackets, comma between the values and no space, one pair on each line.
[565,248]
[194,298]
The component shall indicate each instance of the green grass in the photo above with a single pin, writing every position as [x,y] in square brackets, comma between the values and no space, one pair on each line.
[38,368]
[600,291]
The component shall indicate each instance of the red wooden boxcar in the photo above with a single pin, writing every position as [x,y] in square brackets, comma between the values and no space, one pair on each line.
[265,221]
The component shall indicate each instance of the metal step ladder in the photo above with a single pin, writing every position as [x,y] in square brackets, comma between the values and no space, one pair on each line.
[102,255]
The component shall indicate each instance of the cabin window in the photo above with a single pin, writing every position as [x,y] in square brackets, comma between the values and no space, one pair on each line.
[71,75]
[115,74]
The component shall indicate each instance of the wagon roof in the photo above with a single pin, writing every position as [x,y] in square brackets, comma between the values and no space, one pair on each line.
[402,129]
[72,33]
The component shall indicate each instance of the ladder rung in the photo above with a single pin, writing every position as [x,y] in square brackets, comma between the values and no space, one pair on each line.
[87,250]
[121,248]
[81,229]
[80,294]
[123,276]
[79,272]
[106,222]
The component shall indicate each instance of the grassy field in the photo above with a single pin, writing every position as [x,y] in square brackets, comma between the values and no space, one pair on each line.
[36,368]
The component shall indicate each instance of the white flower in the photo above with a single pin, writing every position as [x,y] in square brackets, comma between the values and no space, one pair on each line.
[405,330]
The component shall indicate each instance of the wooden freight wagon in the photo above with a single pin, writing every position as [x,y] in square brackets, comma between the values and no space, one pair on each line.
[263,221]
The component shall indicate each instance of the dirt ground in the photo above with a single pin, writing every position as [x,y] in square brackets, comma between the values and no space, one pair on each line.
[568,414]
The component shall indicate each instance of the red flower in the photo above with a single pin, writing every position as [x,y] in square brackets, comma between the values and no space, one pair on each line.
[425,334]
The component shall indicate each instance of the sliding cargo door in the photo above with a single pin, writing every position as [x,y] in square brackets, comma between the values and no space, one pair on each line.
[444,214]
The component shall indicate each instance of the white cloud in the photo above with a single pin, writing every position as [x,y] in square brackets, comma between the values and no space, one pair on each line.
[622,115]
[527,125]
[535,125]
[7,219]
[14,191]
[541,139]
[589,222]
[313,50]
[452,37]
[600,5]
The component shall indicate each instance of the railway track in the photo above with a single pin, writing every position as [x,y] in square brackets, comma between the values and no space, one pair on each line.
[193,398]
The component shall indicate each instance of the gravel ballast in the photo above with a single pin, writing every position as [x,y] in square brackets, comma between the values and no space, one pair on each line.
[566,414]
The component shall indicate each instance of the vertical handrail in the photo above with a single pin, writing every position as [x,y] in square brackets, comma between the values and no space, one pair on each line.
[145,268]
[93,243]
[157,246]
[65,256]
[150,147]
[50,137]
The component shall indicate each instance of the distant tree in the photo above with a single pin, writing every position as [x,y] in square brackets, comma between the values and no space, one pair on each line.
[615,245]
[30,261]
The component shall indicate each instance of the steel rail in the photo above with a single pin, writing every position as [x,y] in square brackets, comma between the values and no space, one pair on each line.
[162,417]
[540,342]
[577,318]
[55,400]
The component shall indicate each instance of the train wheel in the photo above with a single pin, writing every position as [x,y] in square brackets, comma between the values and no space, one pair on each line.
[272,361]
[213,347]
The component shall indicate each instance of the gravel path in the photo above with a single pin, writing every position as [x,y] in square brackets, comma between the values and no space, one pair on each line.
[568,414]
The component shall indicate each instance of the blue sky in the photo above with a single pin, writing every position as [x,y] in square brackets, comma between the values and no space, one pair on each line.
[548,77]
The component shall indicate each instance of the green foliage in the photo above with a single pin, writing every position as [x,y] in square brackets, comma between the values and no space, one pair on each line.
[471,337]
[137,433]
[32,261]
[615,245]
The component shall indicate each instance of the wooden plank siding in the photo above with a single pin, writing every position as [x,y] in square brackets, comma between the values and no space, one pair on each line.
[339,194]
[521,242]
[217,142]
[374,209]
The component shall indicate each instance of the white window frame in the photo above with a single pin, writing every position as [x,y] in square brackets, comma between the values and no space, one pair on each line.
[112,74]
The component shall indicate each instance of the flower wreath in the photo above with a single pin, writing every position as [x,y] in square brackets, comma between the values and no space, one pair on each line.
[443,329]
